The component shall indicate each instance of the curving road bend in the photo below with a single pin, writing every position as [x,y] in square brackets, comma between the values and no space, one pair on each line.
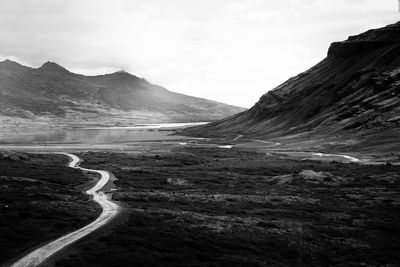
[352,159]
[271,144]
[110,210]
[268,142]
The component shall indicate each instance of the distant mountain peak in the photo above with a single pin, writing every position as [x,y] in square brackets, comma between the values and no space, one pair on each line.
[11,65]
[122,71]
[122,74]
[52,66]
[7,61]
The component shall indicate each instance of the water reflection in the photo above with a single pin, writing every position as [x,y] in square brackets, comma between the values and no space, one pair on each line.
[101,135]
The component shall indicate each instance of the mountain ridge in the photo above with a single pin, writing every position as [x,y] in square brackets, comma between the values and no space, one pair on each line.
[53,93]
[354,89]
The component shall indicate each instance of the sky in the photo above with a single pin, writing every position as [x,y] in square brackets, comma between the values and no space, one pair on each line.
[231,51]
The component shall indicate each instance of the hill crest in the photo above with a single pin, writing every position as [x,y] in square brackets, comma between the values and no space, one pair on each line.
[53,93]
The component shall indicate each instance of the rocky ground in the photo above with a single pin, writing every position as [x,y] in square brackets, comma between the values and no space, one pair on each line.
[202,206]
[40,199]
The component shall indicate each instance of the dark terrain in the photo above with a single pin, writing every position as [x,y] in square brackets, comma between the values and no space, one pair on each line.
[40,200]
[51,94]
[235,207]
[197,203]
[352,94]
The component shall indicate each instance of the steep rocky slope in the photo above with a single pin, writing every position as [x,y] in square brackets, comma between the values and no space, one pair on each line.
[356,89]
[52,93]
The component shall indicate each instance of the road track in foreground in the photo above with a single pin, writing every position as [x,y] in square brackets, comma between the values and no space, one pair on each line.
[110,210]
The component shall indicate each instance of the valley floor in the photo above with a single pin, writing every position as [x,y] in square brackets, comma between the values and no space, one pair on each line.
[204,206]
[206,202]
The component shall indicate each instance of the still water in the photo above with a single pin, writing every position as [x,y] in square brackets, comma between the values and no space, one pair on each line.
[97,135]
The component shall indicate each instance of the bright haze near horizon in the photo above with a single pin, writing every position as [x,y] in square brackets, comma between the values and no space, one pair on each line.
[231,51]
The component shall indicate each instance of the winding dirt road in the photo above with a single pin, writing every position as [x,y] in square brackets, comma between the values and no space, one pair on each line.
[110,210]
[352,159]
[347,157]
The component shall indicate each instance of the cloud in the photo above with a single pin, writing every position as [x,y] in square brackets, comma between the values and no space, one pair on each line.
[228,50]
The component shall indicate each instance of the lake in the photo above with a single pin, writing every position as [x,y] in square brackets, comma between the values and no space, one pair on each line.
[97,135]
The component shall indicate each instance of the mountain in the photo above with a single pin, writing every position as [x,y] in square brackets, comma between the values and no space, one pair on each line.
[52,93]
[354,90]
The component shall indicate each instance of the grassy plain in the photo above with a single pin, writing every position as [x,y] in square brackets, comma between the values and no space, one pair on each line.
[208,206]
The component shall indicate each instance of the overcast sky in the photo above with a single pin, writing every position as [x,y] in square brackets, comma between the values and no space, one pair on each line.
[227,50]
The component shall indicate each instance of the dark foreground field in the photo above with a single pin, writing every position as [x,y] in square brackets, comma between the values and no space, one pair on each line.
[229,207]
[40,200]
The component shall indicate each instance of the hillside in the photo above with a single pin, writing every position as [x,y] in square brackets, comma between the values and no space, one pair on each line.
[52,93]
[354,90]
